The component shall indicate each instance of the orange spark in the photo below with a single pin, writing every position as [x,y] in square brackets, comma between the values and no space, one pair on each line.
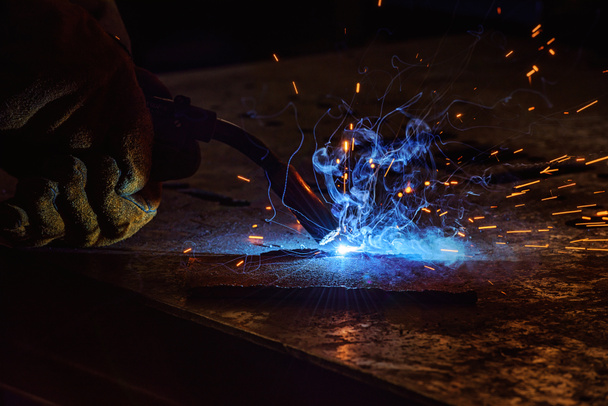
[187,250]
[527,184]
[295,88]
[276,58]
[243,178]
[428,267]
[256,237]
[596,160]
[565,212]
[358,88]
[389,167]
[588,105]
[558,158]
[516,194]
[548,170]
[241,262]
[486,227]
[509,54]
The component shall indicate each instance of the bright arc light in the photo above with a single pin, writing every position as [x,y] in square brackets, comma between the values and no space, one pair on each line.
[345,249]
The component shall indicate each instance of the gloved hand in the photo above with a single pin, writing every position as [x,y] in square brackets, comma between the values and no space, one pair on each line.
[74,129]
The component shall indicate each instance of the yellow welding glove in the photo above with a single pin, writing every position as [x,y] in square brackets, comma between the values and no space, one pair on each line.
[74,129]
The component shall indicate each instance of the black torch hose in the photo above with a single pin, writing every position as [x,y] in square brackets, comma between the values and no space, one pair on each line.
[284,180]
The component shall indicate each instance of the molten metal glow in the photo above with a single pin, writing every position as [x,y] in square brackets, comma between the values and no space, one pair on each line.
[345,249]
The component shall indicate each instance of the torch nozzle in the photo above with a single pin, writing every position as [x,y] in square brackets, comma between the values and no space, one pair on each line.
[284,180]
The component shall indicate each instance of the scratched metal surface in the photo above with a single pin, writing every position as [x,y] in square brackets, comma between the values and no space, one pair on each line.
[536,333]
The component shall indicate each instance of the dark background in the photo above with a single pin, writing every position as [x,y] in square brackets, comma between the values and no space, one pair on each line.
[185,34]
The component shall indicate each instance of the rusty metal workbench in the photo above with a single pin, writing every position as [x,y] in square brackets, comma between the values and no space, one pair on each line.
[537,334]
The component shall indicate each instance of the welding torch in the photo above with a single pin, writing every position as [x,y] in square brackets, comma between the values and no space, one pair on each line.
[177,122]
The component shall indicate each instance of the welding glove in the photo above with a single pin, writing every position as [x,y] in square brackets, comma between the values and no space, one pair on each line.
[74,129]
